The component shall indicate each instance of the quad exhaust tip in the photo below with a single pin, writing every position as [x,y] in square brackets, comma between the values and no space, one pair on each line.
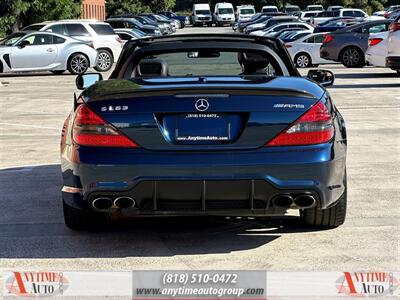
[303,201]
[102,203]
[282,201]
[124,202]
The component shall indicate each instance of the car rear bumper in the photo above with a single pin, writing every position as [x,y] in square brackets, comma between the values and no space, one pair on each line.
[230,183]
[393,62]
[328,53]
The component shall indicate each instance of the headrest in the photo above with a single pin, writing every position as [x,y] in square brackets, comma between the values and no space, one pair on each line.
[151,67]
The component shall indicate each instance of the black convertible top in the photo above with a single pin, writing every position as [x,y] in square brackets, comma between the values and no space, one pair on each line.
[133,48]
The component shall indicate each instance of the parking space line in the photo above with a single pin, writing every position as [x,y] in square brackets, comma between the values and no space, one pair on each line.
[30,126]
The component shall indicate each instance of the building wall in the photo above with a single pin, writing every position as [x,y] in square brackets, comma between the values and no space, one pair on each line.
[93,9]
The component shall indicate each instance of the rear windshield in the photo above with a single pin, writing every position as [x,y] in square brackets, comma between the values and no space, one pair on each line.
[225,11]
[202,12]
[208,62]
[102,29]
[270,9]
[34,27]
[247,11]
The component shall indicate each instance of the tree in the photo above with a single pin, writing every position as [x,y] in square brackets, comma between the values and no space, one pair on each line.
[117,7]
[15,14]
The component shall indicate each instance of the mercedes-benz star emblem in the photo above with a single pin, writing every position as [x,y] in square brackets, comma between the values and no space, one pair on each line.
[202,104]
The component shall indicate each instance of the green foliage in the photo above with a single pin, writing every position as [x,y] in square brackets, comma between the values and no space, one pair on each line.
[116,7]
[15,14]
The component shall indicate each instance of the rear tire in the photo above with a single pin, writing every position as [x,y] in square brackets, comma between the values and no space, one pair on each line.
[78,63]
[105,60]
[330,217]
[352,57]
[303,60]
[77,219]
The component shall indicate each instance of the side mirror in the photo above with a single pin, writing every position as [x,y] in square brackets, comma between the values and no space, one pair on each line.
[23,44]
[83,81]
[323,77]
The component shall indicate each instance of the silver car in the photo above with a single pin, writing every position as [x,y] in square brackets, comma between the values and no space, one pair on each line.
[41,51]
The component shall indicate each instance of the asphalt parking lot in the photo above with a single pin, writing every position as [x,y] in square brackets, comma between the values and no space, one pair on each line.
[33,235]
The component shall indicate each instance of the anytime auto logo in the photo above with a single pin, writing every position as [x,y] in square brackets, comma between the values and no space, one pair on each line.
[36,284]
[367,284]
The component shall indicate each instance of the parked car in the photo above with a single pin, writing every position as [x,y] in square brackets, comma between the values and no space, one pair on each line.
[307,15]
[305,50]
[315,8]
[349,45]
[334,8]
[244,12]
[387,11]
[146,21]
[344,12]
[120,22]
[291,9]
[201,14]
[223,14]
[162,21]
[27,51]
[271,21]
[224,146]
[257,18]
[291,36]
[127,34]
[269,9]
[104,39]
[393,58]
[184,20]
[337,24]
[270,31]
[377,50]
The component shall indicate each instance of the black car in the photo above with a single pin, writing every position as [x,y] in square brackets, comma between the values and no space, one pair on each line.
[120,22]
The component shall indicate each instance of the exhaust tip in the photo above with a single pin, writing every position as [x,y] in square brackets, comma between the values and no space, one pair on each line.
[102,203]
[124,202]
[282,201]
[305,201]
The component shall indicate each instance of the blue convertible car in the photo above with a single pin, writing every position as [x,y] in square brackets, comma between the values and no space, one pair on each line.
[193,125]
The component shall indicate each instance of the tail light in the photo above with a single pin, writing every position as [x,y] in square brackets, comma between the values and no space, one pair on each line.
[119,40]
[288,46]
[328,38]
[394,26]
[375,41]
[91,130]
[313,127]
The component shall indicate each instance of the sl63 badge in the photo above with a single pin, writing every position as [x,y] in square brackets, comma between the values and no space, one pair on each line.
[114,108]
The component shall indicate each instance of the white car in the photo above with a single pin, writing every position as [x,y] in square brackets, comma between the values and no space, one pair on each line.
[344,12]
[280,26]
[43,51]
[393,58]
[244,12]
[305,51]
[201,14]
[307,15]
[269,9]
[105,40]
[377,49]
[223,14]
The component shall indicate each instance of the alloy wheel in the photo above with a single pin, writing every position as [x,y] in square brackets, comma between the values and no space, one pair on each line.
[104,61]
[303,61]
[351,57]
[79,64]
